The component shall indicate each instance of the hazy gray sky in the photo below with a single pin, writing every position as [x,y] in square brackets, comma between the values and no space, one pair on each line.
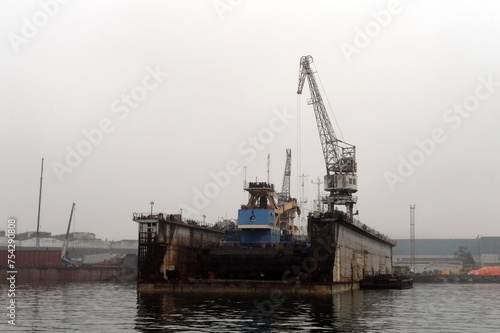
[133,101]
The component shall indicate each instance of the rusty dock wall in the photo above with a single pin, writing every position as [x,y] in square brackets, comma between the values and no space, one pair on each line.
[168,246]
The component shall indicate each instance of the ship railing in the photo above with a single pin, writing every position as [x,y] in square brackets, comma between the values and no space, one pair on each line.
[198,223]
[147,216]
[172,217]
[373,231]
[223,243]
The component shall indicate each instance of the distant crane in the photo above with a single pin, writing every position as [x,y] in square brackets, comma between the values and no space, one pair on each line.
[288,206]
[285,190]
[65,245]
[340,157]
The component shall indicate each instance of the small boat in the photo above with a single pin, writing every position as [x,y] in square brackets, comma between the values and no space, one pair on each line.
[386,281]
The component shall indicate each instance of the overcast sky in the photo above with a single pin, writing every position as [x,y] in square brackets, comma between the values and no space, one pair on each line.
[171,101]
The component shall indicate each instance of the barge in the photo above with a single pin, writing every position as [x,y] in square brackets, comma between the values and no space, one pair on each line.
[386,281]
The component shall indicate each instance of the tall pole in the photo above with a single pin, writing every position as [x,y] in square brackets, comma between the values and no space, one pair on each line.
[302,199]
[318,203]
[268,164]
[39,205]
[244,177]
[412,238]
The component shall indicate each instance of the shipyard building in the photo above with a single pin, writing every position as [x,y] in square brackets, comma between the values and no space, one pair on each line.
[443,254]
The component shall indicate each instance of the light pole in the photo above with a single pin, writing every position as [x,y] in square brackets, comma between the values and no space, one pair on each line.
[204,216]
[152,204]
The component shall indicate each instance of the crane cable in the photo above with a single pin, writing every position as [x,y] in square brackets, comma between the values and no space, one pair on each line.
[299,144]
[299,166]
[328,101]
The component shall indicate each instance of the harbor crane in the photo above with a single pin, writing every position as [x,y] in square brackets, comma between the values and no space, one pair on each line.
[340,157]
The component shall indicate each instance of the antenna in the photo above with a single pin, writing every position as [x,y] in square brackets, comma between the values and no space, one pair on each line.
[319,205]
[302,199]
[244,177]
[268,165]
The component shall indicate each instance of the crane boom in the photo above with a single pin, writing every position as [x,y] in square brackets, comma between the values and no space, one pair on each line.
[65,245]
[340,157]
[326,133]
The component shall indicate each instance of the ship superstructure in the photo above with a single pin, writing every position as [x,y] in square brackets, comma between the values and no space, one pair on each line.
[258,220]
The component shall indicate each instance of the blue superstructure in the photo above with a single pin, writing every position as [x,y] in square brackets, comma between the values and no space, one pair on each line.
[258,220]
[257,226]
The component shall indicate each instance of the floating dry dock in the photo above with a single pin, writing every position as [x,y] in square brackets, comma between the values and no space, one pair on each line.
[263,252]
[179,255]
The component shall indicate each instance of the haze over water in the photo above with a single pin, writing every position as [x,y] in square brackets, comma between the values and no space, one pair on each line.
[107,307]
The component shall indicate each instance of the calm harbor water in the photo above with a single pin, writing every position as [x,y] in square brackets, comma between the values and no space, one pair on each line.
[108,307]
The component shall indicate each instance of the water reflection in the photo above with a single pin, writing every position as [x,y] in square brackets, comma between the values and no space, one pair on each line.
[107,307]
[250,313]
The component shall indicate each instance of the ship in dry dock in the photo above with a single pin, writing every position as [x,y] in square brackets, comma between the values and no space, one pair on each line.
[261,252]
[185,255]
